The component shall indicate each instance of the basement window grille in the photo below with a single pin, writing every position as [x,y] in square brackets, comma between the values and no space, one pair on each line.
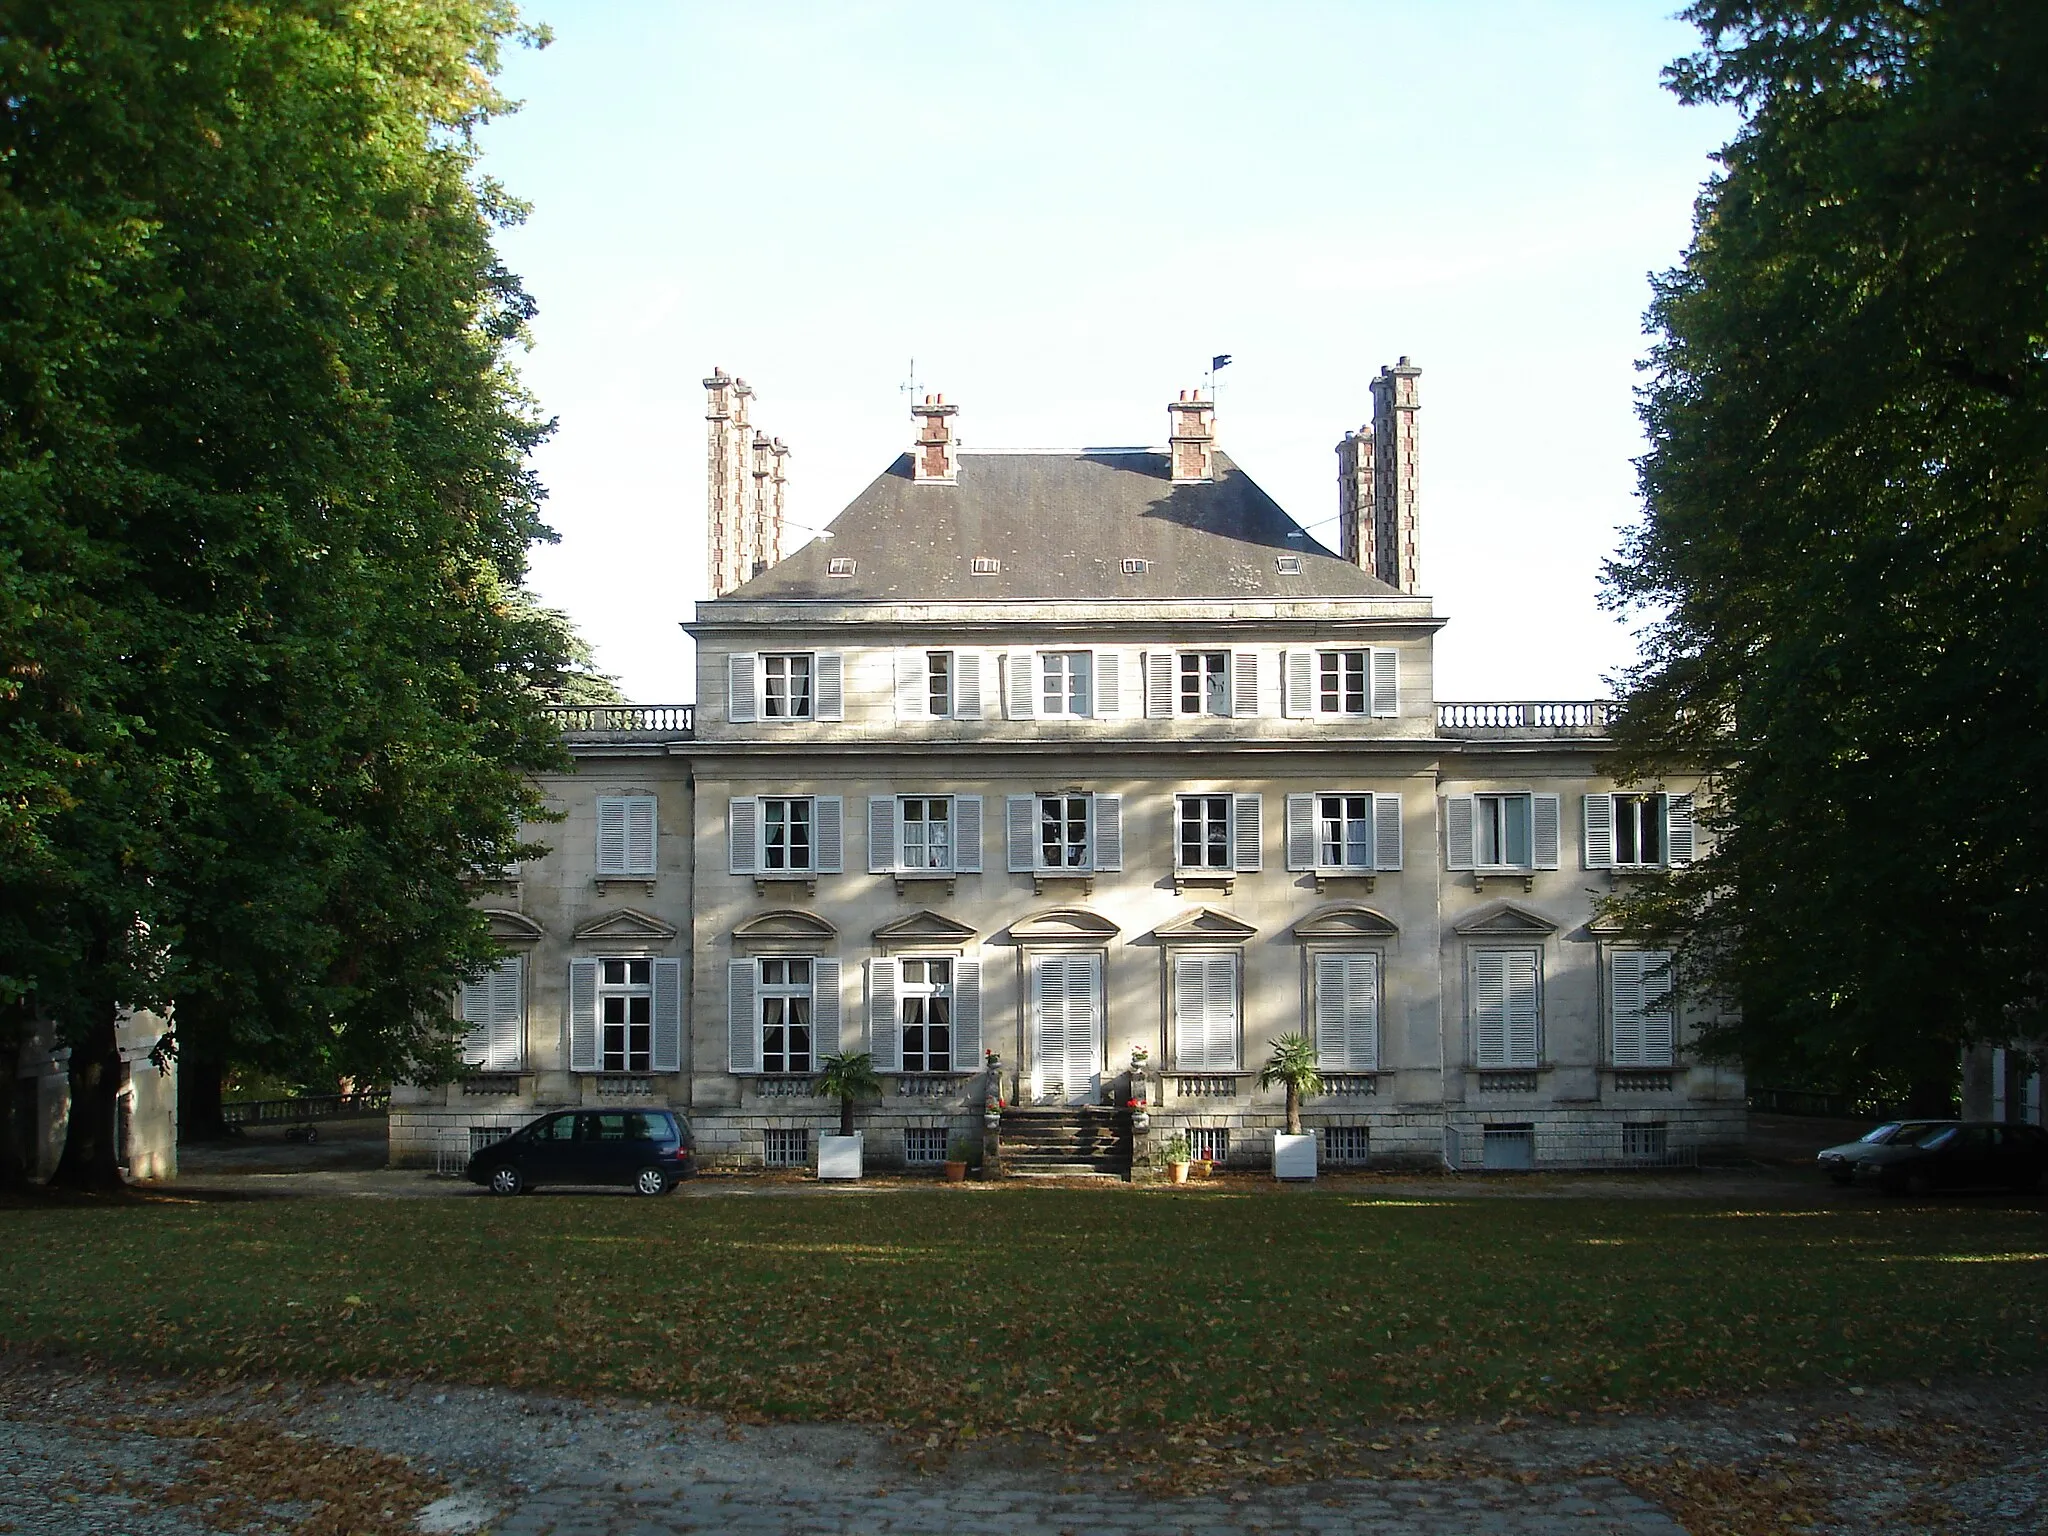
[786,1149]
[1346,1145]
[924,1146]
[1645,1139]
[1211,1143]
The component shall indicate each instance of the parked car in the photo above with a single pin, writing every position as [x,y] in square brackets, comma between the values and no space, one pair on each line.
[1972,1155]
[1839,1163]
[648,1149]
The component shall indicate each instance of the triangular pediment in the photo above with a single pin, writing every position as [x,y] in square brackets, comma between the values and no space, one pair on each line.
[925,928]
[1504,920]
[1063,925]
[626,923]
[1204,925]
[514,927]
[785,923]
[1345,920]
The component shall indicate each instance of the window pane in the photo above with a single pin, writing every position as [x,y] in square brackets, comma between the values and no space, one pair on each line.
[614,973]
[1517,807]
[1217,667]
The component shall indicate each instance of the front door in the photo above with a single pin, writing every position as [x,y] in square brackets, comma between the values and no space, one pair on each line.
[1066,1028]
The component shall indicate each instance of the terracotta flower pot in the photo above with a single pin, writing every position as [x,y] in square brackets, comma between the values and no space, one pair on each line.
[1179,1171]
[955,1172]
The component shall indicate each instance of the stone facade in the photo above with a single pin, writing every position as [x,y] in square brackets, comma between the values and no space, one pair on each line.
[148,1102]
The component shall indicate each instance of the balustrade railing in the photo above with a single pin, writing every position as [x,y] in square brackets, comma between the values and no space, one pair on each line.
[640,719]
[1573,716]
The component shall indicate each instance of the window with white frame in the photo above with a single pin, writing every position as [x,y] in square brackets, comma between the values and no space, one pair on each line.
[1640,1016]
[1506,991]
[1343,685]
[494,1008]
[1209,1143]
[938,684]
[1347,1011]
[786,686]
[1638,830]
[625,1015]
[1510,830]
[1205,1012]
[626,835]
[1204,683]
[1066,683]
[782,1148]
[924,1145]
[786,828]
[783,997]
[1070,831]
[925,832]
[1501,832]
[1347,1146]
[925,1002]
[1063,832]
[785,836]
[1344,830]
[1205,832]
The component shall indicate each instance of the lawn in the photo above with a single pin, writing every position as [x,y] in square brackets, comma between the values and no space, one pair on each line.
[1122,1315]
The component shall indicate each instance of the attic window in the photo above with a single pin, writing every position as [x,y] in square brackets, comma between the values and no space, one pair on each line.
[982,565]
[1136,567]
[839,565]
[1290,565]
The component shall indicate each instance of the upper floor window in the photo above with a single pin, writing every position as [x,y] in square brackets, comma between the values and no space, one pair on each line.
[1205,682]
[1500,832]
[1063,841]
[1344,830]
[911,834]
[938,684]
[1341,687]
[927,832]
[786,687]
[1638,831]
[1347,683]
[1205,832]
[1066,683]
[1062,684]
[784,834]
[1072,831]
[625,835]
[1509,830]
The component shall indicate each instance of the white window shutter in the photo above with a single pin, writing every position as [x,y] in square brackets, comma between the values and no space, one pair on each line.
[1220,1007]
[967,1013]
[583,1055]
[474,1007]
[885,1038]
[1023,830]
[967,685]
[1106,831]
[1244,684]
[1490,1007]
[1247,833]
[667,1042]
[1546,817]
[1625,1006]
[1524,1009]
[828,695]
[825,1010]
[829,814]
[1020,685]
[508,1015]
[1190,1025]
[967,834]
[742,1017]
[1386,832]
[1599,819]
[1332,1049]
[640,835]
[1660,1034]
[741,668]
[1159,685]
[743,835]
[913,696]
[1301,831]
[1109,684]
[1362,1011]
[881,834]
[1386,681]
[1458,815]
[611,836]
[1298,690]
[1679,836]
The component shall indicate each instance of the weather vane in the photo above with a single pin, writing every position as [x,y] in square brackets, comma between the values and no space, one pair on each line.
[910,386]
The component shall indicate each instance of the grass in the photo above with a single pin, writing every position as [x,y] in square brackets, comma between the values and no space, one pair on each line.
[1135,1318]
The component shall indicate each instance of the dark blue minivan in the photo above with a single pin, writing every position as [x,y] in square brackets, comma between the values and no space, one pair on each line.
[645,1149]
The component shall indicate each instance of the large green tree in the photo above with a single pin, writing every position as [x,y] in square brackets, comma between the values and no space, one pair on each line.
[1842,556]
[272,691]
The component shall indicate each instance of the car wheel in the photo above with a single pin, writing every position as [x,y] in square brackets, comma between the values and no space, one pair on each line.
[651,1181]
[506,1180]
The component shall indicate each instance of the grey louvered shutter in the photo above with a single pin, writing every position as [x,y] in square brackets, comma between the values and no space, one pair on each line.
[1490,1007]
[1546,816]
[913,695]
[967,1013]
[508,1015]
[1190,1031]
[826,1018]
[1386,832]
[1159,685]
[1301,831]
[1524,1009]
[1298,692]
[611,836]
[740,704]
[1679,836]
[742,1017]
[1244,684]
[743,835]
[1332,1048]
[967,685]
[828,698]
[474,1007]
[881,834]
[885,1037]
[1458,816]
[829,814]
[1020,685]
[1386,681]
[1599,829]
[640,835]
[1109,685]
[1348,1012]
[583,1055]
[1106,831]
[1660,1010]
[1023,833]
[1625,1006]
[967,834]
[667,1043]
[1247,834]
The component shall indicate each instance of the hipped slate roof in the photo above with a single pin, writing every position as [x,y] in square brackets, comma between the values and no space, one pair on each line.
[1061,525]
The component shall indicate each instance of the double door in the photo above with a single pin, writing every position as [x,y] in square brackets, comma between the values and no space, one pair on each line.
[1066,1028]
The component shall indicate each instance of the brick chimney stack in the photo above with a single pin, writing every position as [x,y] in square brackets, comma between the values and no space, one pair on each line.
[1191,437]
[1376,483]
[935,458]
[744,480]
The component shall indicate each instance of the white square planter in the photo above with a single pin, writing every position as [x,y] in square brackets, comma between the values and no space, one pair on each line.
[1294,1157]
[839,1156]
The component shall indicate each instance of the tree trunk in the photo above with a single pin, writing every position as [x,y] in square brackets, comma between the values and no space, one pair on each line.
[846,1117]
[200,1083]
[1293,1109]
[90,1130]
[14,1174]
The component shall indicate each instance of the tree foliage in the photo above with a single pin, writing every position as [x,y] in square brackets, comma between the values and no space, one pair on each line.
[271,690]
[1842,551]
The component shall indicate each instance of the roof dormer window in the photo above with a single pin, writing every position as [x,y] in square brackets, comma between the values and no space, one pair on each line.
[839,565]
[983,565]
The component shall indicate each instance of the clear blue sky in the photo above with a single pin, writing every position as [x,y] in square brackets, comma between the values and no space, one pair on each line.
[1062,210]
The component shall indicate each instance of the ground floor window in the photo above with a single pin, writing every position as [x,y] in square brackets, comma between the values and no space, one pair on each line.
[786,1149]
[1507,1007]
[785,1004]
[924,1145]
[927,1015]
[1346,1145]
[1645,1139]
[1211,1143]
[625,1012]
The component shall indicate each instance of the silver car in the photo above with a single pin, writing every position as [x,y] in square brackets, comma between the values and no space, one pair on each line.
[1839,1163]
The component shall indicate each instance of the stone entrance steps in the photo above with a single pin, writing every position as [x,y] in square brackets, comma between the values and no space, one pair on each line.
[1081,1140]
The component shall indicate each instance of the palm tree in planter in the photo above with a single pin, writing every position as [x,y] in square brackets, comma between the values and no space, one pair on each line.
[846,1078]
[1293,1064]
